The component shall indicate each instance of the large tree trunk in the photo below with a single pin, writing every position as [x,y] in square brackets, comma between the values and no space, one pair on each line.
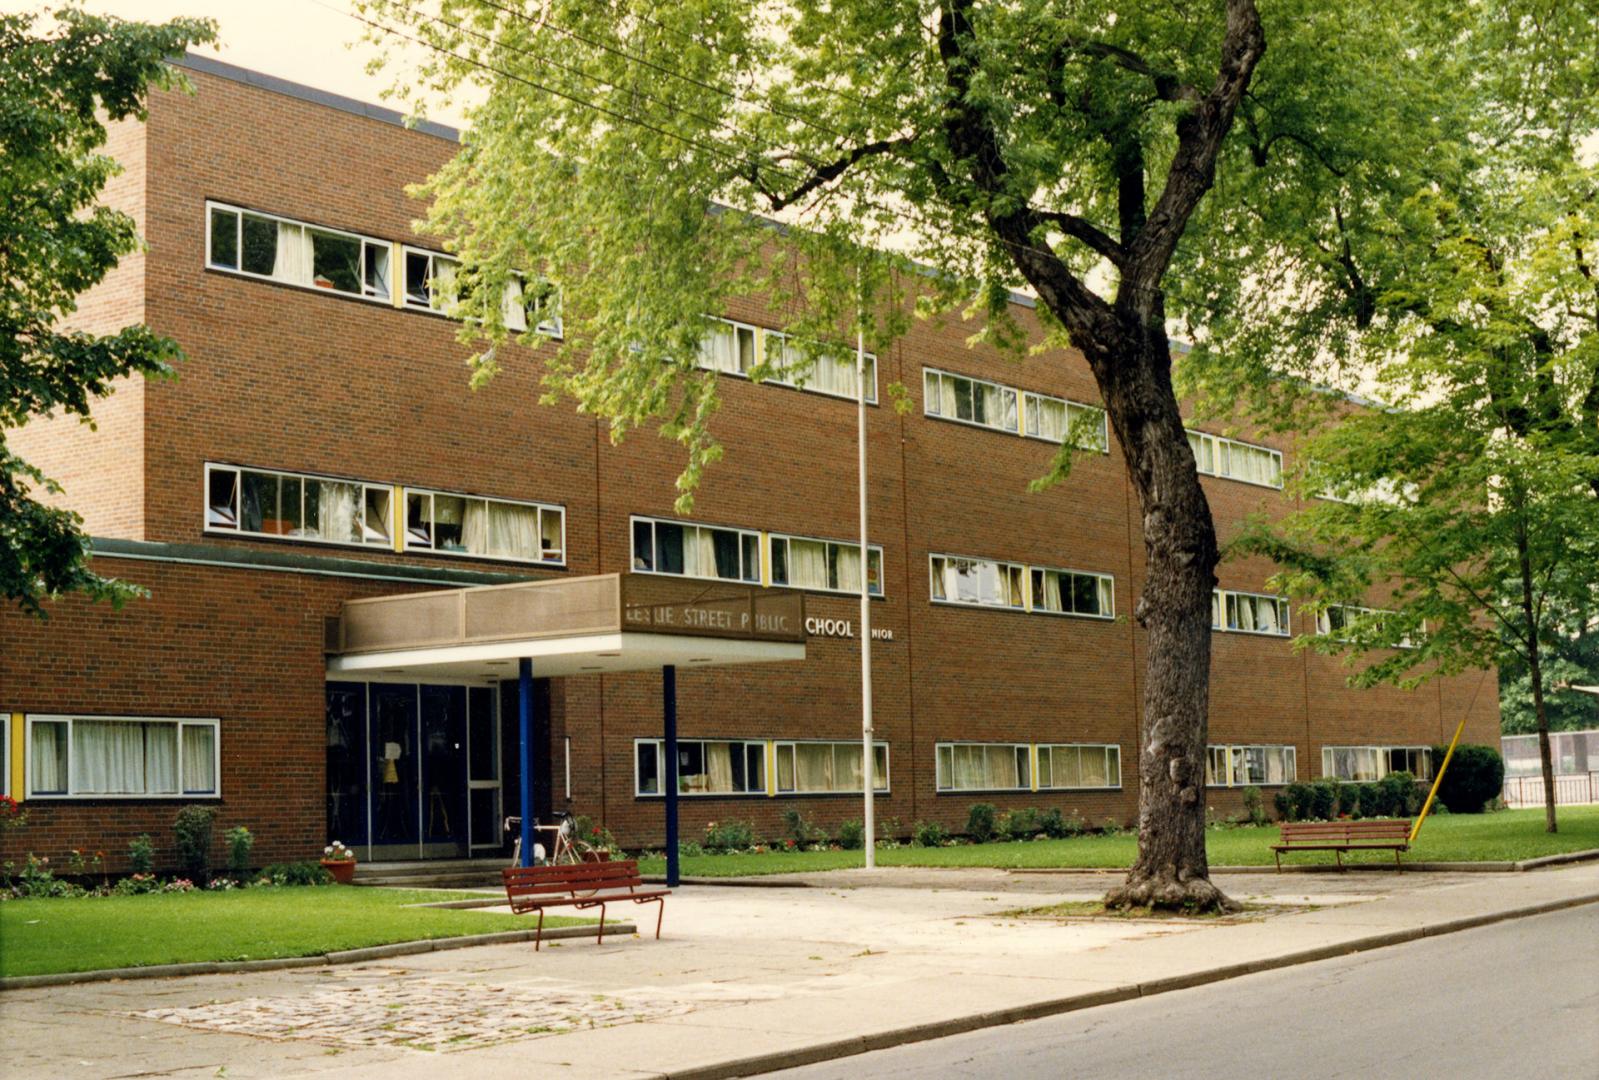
[1180,556]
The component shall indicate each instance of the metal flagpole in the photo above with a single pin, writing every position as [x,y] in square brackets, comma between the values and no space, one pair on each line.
[869,762]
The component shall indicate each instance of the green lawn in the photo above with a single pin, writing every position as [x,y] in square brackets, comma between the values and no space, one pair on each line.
[40,936]
[1507,835]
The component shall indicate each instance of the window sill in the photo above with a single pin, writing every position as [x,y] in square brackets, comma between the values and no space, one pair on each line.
[972,424]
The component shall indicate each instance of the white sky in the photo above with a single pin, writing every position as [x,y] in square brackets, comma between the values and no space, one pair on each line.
[316,42]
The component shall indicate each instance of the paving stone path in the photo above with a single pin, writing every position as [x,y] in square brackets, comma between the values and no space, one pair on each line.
[405,1010]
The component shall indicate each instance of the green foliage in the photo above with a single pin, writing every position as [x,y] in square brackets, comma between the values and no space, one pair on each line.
[797,827]
[1323,800]
[852,836]
[240,843]
[191,833]
[929,834]
[56,93]
[729,836]
[1572,658]
[1401,796]
[296,873]
[141,854]
[1017,824]
[1057,826]
[890,828]
[594,834]
[36,880]
[1475,777]
[981,823]
[1254,805]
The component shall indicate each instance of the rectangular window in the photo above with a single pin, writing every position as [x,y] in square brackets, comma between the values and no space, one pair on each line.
[1249,613]
[1367,763]
[704,767]
[957,580]
[1062,767]
[1218,456]
[729,347]
[675,547]
[120,757]
[294,253]
[830,373]
[1052,419]
[827,768]
[1241,766]
[1335,619]
[318,509]
[970,401]
[824,565]
[983,766]
[536,304]
[484,528]
[429,280]
[1073,592]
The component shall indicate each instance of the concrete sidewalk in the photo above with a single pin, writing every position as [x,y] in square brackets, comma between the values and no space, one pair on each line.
[744,979]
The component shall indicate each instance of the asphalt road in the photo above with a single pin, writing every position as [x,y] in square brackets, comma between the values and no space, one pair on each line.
[1518,998]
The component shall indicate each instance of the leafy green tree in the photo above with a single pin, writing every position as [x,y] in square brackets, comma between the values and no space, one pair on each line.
[57,90]
[1572,660]
[1474,499]
[1068,147]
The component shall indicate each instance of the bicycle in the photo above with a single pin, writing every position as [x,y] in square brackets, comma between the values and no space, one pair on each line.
[567,847]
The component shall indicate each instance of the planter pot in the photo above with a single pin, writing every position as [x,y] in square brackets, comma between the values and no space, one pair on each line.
[343,870]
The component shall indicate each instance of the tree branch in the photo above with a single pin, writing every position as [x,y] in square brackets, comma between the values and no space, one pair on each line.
[1083,230]
[823,174]
[1168,87]
[1200,133]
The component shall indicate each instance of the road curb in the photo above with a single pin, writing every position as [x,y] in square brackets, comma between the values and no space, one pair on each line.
[860,1044]
[344,956]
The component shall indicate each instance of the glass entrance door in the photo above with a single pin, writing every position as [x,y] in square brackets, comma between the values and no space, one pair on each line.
[444,779]
[413,771]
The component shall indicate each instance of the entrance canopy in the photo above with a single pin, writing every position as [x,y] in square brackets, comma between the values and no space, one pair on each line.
[571,626]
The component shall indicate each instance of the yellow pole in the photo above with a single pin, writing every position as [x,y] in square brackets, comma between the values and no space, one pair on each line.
[1426,806]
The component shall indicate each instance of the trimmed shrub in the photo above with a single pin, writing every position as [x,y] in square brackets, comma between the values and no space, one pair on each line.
[1285,806]
[929,834]
[191,831]
[852,836]
[1323,801]
[1052,823]
[1255,805]
[297,873]
[141,854]
[1476,775]
[1401,797]
[240,843]
[980,822]
[1371,801]
[729,836]
[1301,801]
[798,828]
[1348,799]
[1018,824]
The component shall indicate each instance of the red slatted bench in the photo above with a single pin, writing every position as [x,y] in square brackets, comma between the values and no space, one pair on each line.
[1341,836]
[585,885]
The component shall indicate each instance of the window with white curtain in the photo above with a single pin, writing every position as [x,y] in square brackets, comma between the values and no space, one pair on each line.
[1052,419]
[119,757]
[297,506]
[1364,764]
[1065,766]
[970,401]
[688,550]
[295,253]
[1334,621]
[821,371]
[986,582]
[827,768]
[1249,613]
[480,527]
[1073,592]
[735,348]
[983,766]
[1240,766]
[824,565]
[1219,456]
[704,766]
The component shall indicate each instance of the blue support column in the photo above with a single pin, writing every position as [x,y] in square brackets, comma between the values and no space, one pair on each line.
[669,780]
[524,707]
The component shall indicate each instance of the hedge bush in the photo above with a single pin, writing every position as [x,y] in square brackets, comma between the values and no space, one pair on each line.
[852,836]
[191,831]
[1476,775]
[980,822]
[929,834]
[1018,824]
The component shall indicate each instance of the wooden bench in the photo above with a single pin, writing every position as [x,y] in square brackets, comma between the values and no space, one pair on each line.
[585,885]
[1341,836]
